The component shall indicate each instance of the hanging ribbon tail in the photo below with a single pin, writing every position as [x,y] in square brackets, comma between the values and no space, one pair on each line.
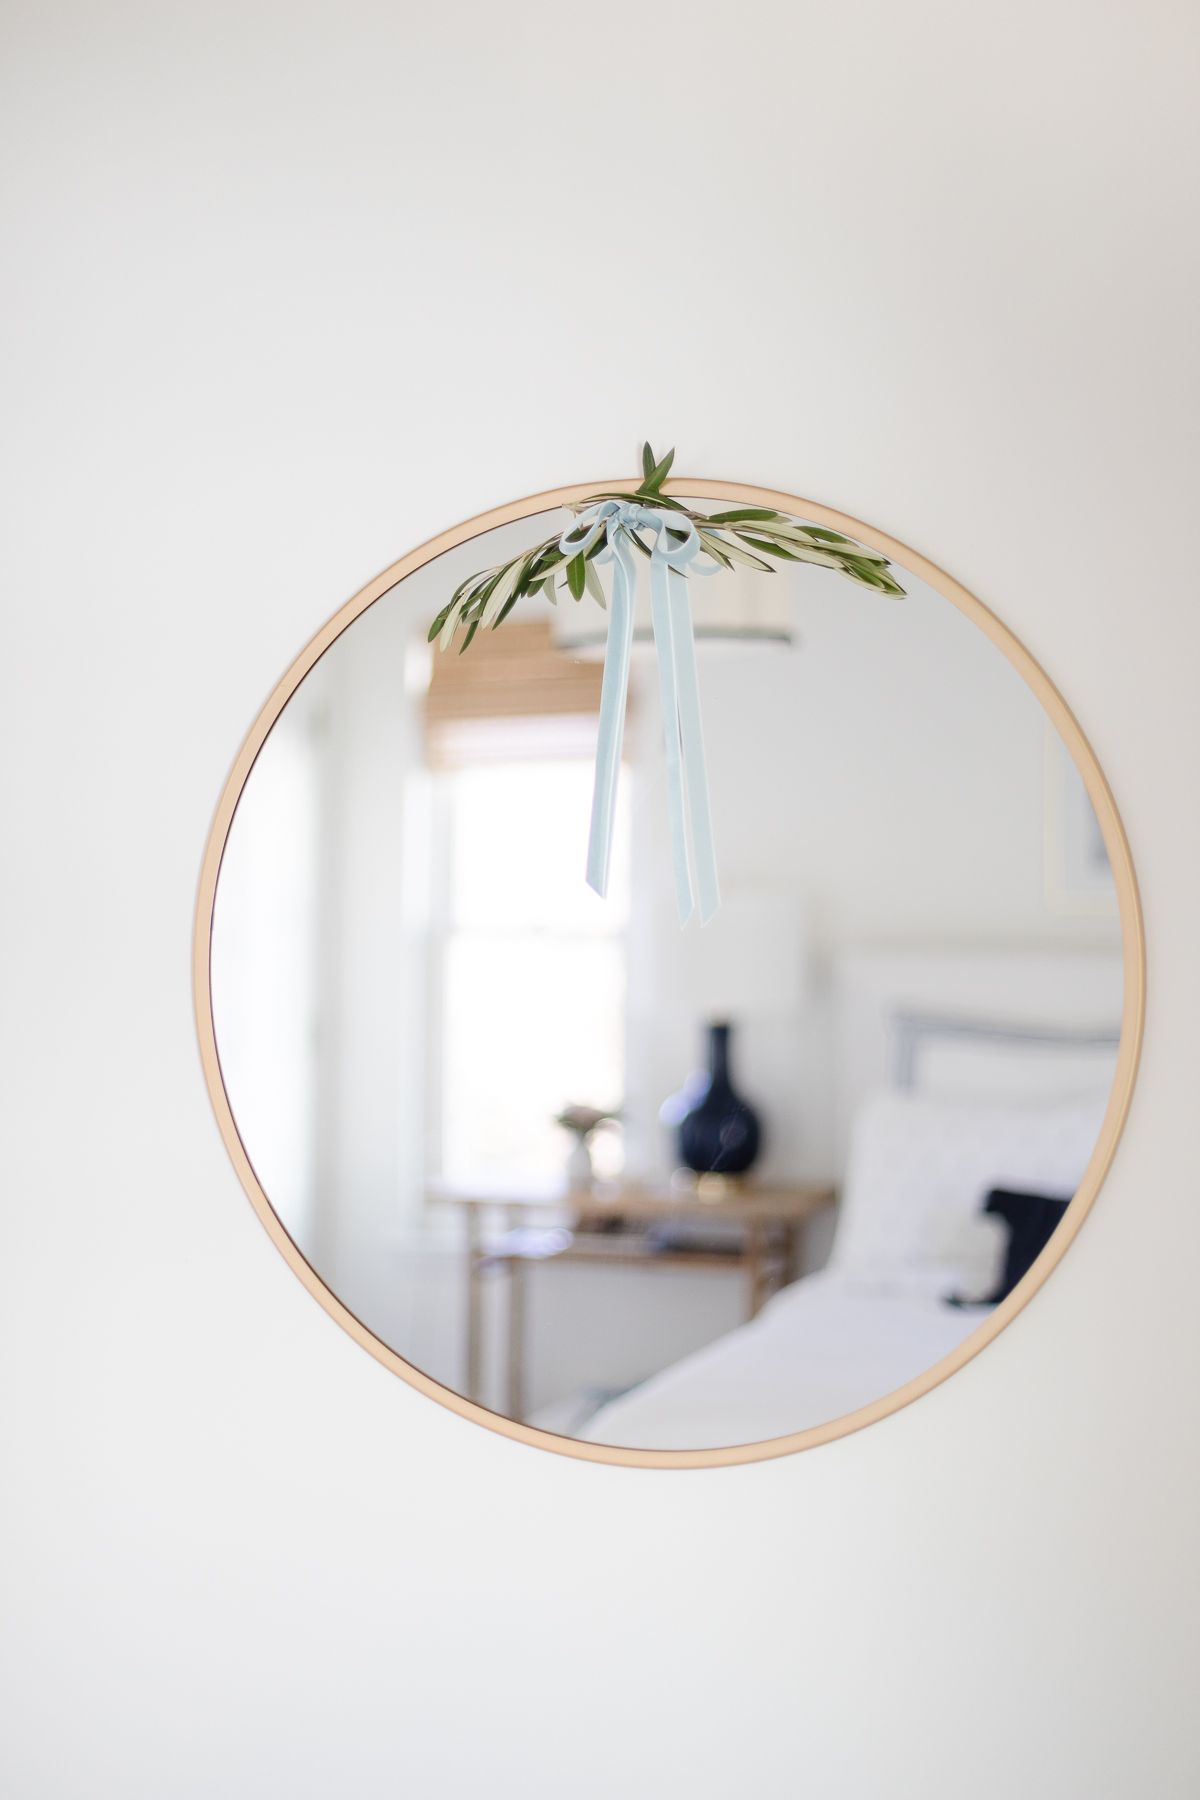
[676,549]
[614,687]
[691,736]
[664,621]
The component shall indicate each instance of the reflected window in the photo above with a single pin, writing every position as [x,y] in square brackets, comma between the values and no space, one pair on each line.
[530,1010]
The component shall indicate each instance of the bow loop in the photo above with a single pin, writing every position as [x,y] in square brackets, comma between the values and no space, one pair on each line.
[587,527]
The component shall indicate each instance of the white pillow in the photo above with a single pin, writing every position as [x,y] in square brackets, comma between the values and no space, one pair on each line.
[919,1169]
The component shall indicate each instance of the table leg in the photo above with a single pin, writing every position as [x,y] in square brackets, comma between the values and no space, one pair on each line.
[516,1338]
[757,1262]
[793,1237]
[474,1306]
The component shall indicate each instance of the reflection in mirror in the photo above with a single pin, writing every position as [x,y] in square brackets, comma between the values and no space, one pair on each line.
[642,1185]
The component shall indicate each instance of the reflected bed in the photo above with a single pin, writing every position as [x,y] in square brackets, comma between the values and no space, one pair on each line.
[925,1153]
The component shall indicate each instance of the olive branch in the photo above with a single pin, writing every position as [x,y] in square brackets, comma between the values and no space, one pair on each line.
[746,535]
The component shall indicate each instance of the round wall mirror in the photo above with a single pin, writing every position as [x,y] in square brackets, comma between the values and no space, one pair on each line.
[644,1191]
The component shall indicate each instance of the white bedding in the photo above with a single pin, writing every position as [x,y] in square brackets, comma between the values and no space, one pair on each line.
[822,1348]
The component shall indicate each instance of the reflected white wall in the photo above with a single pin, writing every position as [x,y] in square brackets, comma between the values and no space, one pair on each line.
[319,968]
[887,777]
[374,876]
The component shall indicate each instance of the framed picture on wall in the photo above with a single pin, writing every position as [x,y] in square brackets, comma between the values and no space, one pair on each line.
[1078,874]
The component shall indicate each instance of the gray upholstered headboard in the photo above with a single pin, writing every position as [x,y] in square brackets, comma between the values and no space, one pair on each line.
[913,1032]
[893,1008]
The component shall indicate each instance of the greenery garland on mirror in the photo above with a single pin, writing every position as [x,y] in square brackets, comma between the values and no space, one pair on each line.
[746,535]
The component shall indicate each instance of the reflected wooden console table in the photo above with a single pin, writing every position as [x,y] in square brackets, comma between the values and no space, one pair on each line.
[624,1224]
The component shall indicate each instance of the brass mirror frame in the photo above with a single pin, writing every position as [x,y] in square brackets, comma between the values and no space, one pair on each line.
[1133,947]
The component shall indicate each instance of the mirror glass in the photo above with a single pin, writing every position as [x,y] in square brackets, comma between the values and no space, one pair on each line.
[634,1183]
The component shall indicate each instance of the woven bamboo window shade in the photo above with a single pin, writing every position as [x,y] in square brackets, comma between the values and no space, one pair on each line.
[512,687]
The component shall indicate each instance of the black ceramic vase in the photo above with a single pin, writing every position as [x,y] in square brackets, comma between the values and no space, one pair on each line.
[719,1132]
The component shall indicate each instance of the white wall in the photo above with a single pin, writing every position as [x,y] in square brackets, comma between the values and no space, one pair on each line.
[293,289]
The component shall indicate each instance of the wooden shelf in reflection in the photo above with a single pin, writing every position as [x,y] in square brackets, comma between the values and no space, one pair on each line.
[624,1224]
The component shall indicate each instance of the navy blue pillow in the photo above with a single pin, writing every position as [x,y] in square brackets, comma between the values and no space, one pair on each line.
[1031,1221]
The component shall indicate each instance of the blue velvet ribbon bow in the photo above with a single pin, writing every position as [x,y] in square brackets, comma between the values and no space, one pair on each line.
[674,556]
